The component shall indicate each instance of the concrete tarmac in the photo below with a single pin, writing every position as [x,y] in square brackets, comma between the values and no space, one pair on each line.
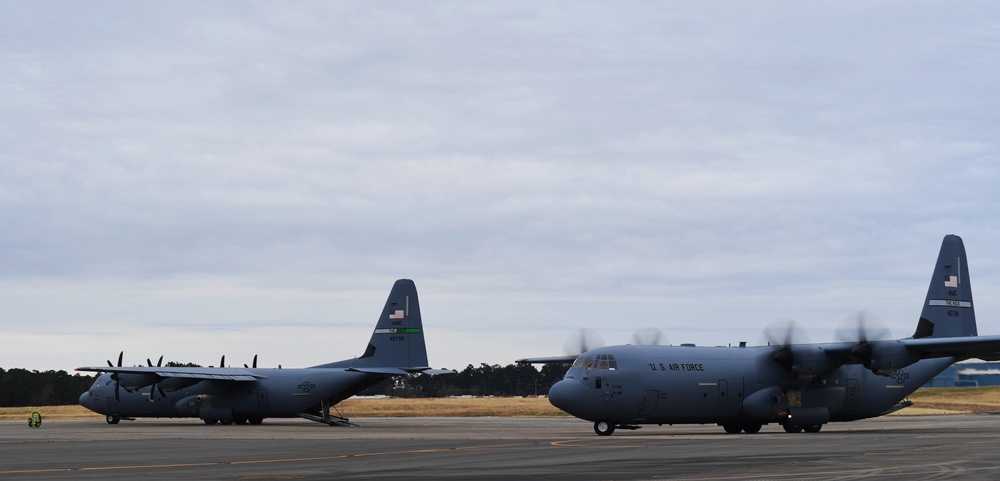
[933,447]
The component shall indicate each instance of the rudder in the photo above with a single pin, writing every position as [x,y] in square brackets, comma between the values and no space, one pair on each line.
[398,339]
[948,310]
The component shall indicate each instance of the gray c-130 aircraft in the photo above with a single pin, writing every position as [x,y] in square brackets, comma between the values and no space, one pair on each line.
[250,394]
[799,386]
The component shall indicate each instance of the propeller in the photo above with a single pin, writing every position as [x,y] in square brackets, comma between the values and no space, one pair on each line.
[153,390]
[254,362]
[155,387]
[582,341]
[222,363]
[649,336]
[784,333]
[862,327]
[114,375]
[120,354]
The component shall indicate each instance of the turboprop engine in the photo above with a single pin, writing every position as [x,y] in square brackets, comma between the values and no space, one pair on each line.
[885,357]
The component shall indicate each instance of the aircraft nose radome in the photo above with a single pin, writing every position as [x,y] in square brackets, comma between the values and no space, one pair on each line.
[84,398]
[568,395]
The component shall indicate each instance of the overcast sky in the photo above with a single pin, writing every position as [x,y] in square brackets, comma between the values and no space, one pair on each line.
[195,179]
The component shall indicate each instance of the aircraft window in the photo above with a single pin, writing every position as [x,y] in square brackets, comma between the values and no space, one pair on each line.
[604,362]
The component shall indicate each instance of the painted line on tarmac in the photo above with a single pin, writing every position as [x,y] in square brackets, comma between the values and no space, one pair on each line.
[265,461]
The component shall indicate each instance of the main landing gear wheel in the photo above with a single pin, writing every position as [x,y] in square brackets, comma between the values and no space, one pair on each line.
[812,428]
[604,428]
[789,428]
[736,428]
[112,419]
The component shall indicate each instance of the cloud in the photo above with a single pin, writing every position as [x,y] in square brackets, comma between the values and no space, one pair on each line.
[250,172]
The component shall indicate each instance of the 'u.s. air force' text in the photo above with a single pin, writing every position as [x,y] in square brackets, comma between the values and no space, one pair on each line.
[676,366]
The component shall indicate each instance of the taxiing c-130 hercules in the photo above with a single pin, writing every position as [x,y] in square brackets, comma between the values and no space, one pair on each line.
[250,394]
[799,386]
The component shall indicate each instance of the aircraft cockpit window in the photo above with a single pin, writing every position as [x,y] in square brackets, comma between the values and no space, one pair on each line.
[606,362]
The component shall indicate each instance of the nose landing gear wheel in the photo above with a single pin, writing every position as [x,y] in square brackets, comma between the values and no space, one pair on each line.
[604,428]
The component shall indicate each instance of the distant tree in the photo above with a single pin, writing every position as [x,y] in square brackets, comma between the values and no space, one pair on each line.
[20,387]
[179,364]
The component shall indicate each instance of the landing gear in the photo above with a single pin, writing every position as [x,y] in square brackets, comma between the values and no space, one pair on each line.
[809,428]
[112,419]
[736,428]
[604,428]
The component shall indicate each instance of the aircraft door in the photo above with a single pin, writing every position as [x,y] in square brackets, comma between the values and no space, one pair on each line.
[262,400]
[852,396]
[723,391]
[649,401]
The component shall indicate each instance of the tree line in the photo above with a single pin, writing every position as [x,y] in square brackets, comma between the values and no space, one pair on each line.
[21,387]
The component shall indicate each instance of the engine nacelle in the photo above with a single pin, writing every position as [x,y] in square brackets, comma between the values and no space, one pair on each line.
[809,361]
[176,383]
[132,381]
[889,356]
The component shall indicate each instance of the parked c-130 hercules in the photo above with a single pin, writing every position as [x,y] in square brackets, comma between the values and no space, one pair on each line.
[228,394]
[799,386]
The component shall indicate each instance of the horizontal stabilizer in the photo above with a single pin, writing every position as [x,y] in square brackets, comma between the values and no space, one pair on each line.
[960,347]
[436,372]
[390,371]
[397,371]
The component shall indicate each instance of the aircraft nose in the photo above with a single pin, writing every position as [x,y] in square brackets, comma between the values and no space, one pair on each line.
[85,399]
[569,395]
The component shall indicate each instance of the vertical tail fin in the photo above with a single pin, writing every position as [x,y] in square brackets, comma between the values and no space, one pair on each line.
[398,339]
[948,309]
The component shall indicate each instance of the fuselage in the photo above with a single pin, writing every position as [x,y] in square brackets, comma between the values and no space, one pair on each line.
[630,385]
[280,393]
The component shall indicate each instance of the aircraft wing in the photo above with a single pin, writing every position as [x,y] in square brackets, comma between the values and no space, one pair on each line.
[397,371]
[549,360]
[202,373]
[810,360]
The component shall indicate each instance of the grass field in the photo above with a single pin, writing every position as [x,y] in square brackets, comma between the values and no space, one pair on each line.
[925,402]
